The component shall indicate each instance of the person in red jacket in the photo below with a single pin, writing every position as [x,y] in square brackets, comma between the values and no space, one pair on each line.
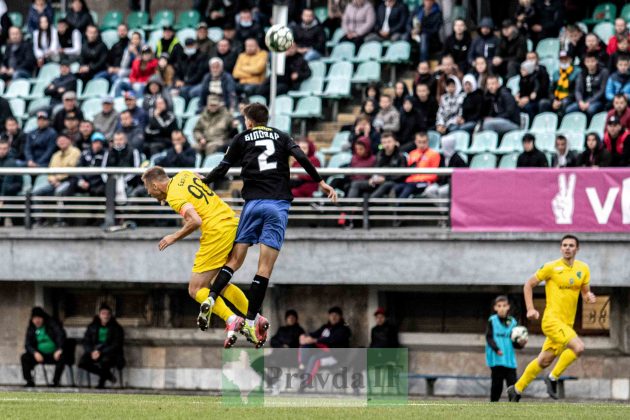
[617,142]
[621,31]
[142,69]
[620,110]
[421,157]
[303,185]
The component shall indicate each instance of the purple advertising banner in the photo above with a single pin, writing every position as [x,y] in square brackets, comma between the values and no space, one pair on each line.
[541,200]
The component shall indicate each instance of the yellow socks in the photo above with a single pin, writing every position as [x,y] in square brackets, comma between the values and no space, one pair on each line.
[531,371]
[220,309]
[202,295]
[235,295]
[567,357]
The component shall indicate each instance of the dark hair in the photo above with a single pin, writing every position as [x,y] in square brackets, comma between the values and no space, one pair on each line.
[491,76]
[591,54]
[290,312]
[126,111]
[529,137]
[41,33]
[4,140]
[335,310]
[622,96]
[104,307]
[388,134]
[623,57]
[422,134]
[569,236]
[449,81]
[385,95]
[257,113]
[15,119]
[501,298]
[561,137]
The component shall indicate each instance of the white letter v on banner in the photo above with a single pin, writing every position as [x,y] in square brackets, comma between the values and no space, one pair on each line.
[602,213]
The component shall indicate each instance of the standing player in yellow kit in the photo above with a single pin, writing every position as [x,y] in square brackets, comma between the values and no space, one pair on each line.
[565,279]
[202,208]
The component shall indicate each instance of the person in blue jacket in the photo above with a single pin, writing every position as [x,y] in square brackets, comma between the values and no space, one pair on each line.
[500,355]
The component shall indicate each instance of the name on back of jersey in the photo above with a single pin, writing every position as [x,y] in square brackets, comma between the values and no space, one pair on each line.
[261,134]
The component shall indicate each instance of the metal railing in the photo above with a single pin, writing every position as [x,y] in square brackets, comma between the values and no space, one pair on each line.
[316,211]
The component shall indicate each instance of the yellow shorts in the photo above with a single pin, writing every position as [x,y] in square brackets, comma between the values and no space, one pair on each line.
[558,335]
[215,246]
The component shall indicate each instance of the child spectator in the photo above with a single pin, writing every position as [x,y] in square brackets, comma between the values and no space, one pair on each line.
[450,107]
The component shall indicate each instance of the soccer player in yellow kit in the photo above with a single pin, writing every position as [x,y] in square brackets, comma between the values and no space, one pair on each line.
[202,209]
[565,279]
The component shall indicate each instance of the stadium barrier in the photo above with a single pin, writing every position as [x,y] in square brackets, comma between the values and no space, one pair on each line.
[112,207]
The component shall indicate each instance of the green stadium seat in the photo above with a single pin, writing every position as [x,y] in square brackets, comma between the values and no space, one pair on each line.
[483,161]
[16,19]
[37,91]
[198,158]
[575,121]
[185,33]
[18,107]
[321,13]
[258,99]
[483,141]
[2,86]
[154,38]
[215,34]
[119,104]
[575,140]
[398,52]
[512,84]
[283,105]
[338,89]
[91,107]
[48,72]
[511,142]
[26,181]
[339,160]
[189,126]
[625,13]
[213,160]
[136,20]
[30,125]
[321,157]
[372,50]
[109,37]
[546,141]
[311,86]
[602,12]
[336,38]
[191,109]
[508,161]
[545,122]
[112,19]
[368,71]
[95,88]
[598,123]
[179,106]
[318,68]
[434,139]
[340,70]
[459,12]
[40,181]
[94,15]
[339,142]
[604,30]
[462,140]
[18,89]
[156,157]
[38,104]
[281,122]
[343,51]
[188,19]
[548,47]
[551,64]
[530,45]
[160,19]
[309,107]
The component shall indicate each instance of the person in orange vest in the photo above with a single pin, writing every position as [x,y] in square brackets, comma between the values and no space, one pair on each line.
[421,157]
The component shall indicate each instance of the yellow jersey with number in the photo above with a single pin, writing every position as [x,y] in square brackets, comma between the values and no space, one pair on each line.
[562,288]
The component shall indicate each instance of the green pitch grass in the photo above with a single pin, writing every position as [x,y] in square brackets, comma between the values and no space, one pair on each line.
[76,406]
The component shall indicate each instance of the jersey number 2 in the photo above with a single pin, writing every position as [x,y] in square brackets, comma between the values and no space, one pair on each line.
[270,149]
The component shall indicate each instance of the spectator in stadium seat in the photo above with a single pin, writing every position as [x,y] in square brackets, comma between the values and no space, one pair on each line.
[227,54]
[485,45]
[152,91]
[40,143]
[139,115]
[309,36]
[221,12]
[526,18]
[400,93]
[357,21]
[45,42]
[181,154]
[5,110]
[619,81]
[18,61]
[421,157]
[450,107]
[502,113]
[86,129]
[540,71]
[510,52]
[134,133]
[617,142]
[106,120]
[71,127]
[70,40]
[78,16]
[336,9]
[220,83]
[562,86]
[205,45]
[362,157]
[427,107]
[563,157]
[472,105]
[424,75]
[123,155]
[457,45]
[65,82]
[531,157]
[169,44]
[363,128]
[288,335]
[575,42]
[424,27]
[93,57]
[248,28]
[37,9]
[69,101]
[391,21]
[621,32]
[103,346]
[250,68]
[116,55]
[16,138]
[143,69]
[157,134]
[190,70]
[595,155]
[590,88]
[623,49]
[133,50]
[384,334]
[620,110]
[596,47]
[389,156]
[165,71]
[388,117]
[93,158]
[303,185]
[410,124]
[528,88]
[449,158]
[444,71]
[10,185]
[480,71]
[44,343]
[296,71]
[551,15]
[214,127]
[229,34]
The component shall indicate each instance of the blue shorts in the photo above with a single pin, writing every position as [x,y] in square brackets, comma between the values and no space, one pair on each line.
[263,221]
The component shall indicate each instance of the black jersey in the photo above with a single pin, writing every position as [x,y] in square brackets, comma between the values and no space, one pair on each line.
[263,153]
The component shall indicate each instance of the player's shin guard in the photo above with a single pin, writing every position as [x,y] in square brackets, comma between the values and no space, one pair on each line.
[202,294]
[222,280]
[235,295]
[256,296]
[567,357]
[531,371]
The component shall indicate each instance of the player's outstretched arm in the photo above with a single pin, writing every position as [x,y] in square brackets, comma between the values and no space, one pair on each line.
[587,295]
[528,294]
[192,222]
[305,163]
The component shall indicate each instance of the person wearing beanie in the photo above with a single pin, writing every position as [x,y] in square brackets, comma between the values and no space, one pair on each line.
[288,336]
[44,343]
[103,346]
[384,334]
[485,45]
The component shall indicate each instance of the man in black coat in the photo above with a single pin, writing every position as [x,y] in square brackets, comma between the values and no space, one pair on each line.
[16,138]
[227,54]
[288,336]
[180,155]
[309,36]
[5,111]
[65,82]
[390,26]
[93,158]
[9,184]
[44,343]
[190,70]
[70,106]
[384,334]
[116,54]
[531,156]
[502,112]
[93,58]
[511,51]
[19,60]
[247,28]
[103,346]
[296,71]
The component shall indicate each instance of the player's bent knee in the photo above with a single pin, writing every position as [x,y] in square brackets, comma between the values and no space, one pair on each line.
[193,289]
[545,359]
[578,347]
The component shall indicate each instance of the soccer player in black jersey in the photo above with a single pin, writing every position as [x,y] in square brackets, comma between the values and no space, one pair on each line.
[263,153]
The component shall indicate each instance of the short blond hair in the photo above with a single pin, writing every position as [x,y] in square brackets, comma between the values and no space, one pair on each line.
[155,173]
